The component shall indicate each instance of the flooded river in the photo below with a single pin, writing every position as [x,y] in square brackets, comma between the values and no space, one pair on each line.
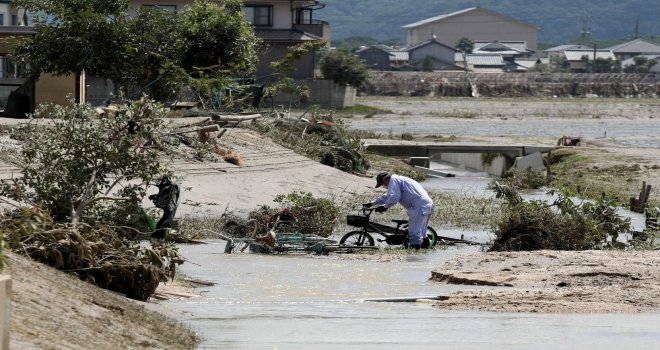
[317,302]
[309,302]
[312,302]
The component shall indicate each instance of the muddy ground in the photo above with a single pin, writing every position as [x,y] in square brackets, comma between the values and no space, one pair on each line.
[53,311]
[554,281]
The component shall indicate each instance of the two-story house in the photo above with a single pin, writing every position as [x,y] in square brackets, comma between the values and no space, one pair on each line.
[280,24]
[18,95]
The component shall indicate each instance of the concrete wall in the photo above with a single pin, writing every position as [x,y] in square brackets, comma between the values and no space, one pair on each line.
[5,308]
[324,93]
[473,161]
[477,25]
[50,88]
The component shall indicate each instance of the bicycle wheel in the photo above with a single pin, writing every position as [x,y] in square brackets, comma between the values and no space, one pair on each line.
[433,236]
[357,238]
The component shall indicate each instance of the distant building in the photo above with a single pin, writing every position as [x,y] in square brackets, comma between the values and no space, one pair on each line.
[558,51]
[477,24]
[654,57]
[578,59]
[633,48]
[18,95]
[382,57]
[432,54]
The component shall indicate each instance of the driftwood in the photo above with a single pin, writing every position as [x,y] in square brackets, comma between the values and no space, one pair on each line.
[638,205]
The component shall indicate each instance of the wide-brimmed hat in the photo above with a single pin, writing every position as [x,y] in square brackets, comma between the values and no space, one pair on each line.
[380,177]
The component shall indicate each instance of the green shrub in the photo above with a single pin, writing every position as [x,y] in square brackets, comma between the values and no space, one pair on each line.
[561,225]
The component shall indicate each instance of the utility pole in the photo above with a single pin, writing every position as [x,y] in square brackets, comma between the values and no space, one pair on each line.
[636,30]
[585,35]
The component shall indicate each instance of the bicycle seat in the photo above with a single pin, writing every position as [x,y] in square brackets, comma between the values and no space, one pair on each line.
[399,222]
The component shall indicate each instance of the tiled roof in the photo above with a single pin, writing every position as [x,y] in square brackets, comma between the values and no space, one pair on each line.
[427,42]
[637,45]
[576,55]
[480,59]
[285,35]
[519,46]
[568,47]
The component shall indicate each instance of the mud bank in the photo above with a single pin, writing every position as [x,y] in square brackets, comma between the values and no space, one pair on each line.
[554,281]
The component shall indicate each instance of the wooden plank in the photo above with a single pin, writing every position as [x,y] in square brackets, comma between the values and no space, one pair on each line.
[407,299]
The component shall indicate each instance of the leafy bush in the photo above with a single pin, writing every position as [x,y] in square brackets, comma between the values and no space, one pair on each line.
[344,69]
[561,225]
[72,167]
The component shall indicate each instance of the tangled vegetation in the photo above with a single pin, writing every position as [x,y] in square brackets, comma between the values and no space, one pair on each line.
[561,225]
[521,179]
[107,256]
[320,137]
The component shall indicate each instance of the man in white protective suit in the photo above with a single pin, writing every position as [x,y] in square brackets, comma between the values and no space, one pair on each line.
[413,197]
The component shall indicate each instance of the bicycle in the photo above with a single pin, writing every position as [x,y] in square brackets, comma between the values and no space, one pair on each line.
[392,235]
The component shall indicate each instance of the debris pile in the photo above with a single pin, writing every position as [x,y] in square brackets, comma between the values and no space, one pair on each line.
[106,256]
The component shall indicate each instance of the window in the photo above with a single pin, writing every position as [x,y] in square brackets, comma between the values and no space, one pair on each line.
[303,16]
[171,8]
[259,15]
[2,19]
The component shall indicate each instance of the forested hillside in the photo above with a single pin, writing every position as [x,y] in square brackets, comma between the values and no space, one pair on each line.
[559,20]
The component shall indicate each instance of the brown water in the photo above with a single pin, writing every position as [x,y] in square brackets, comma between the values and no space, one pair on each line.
[308,302]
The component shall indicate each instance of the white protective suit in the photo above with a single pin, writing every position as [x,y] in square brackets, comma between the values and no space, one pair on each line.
[414,198]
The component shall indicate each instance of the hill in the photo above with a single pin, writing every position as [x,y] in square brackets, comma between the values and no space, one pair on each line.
[558,21]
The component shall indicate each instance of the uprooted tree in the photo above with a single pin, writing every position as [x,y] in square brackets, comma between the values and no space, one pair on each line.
[83,179]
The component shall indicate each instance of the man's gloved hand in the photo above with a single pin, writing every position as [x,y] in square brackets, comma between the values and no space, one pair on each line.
[367,205]
[381,210]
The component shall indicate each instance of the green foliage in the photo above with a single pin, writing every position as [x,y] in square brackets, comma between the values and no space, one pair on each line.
[314,215]
[465,45]
[561,225]
[152,51]
[602,65]
[641,65]
[71,166]
[216,35]
[344,69]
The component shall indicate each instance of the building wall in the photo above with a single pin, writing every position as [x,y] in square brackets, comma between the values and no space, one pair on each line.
[375,59]
[275,51]
[476,25]
[55,89]
[439,52]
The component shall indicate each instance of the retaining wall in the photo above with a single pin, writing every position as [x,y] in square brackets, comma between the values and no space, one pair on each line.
[385,83]
[5,308]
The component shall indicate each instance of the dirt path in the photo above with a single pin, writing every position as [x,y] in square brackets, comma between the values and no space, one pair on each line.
[554,281]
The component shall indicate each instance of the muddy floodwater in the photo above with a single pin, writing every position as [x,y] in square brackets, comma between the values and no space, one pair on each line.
[318,302]
[308,302]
